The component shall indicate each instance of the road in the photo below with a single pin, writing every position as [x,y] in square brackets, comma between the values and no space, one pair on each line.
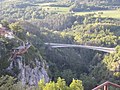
[103,49]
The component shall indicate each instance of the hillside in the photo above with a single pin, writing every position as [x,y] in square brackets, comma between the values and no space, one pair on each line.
[27,63]
[34,10]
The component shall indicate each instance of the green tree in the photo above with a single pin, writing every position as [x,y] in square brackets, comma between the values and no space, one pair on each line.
[41,84]
[76,85]
[7,82]
[50,86]
[68,75]
[61,84]
[18,31]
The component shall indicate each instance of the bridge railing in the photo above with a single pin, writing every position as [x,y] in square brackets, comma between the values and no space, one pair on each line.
[103,49]
[107,86]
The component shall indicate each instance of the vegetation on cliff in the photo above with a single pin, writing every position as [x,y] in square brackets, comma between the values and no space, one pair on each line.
[52,22]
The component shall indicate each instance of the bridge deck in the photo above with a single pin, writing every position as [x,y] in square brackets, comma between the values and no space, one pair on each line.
[103,49]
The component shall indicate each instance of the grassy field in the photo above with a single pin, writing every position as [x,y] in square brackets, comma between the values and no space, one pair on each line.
[56,9]
[47,7]
[46,4]
[107,13]
[64,10]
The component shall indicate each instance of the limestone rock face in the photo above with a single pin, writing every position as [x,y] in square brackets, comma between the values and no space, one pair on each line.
[27,74]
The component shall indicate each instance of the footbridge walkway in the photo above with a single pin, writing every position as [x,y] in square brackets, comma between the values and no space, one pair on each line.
[103,49]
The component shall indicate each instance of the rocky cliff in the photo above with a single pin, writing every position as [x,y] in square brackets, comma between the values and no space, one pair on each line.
[18,60]
[26,73]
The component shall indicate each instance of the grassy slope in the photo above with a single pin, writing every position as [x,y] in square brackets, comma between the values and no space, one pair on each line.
[64,10]
[56,9]
[106,13]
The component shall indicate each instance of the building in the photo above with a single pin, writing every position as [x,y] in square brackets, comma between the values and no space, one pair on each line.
[6,33]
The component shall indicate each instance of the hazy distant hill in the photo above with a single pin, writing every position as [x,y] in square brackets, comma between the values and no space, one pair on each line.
[109,1]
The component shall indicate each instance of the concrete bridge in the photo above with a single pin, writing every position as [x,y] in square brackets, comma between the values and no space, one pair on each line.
[103,49]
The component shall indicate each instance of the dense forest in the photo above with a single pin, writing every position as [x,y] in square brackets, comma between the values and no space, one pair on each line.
[55,21]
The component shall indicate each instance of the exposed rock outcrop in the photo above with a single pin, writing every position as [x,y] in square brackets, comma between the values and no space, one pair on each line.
[27,74]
